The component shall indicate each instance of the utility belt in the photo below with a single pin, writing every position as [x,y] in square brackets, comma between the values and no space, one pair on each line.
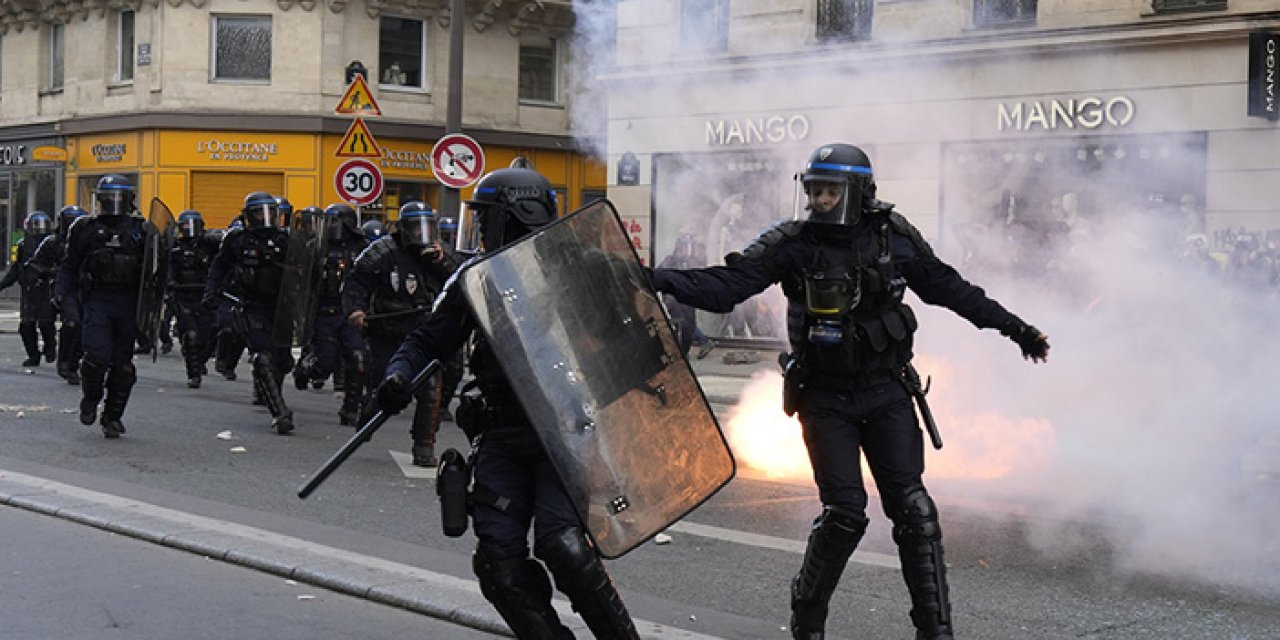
[458,495]
[798,378]
[476,416]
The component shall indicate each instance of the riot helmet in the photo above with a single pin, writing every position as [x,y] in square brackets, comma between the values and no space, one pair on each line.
[260,211]
[308,220]
[68,215]
[373,229]
[286,211]
[417,226]
[836,185]
[506,206]
[37,223]
[449,231]
[236,223]
[190,224]
[340,222]
[115,195]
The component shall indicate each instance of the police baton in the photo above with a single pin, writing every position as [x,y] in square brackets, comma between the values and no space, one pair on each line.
[363,435]
[918,391]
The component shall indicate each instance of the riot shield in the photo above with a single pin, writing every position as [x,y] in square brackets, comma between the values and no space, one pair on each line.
[581,335]
[159,229]
[299,295]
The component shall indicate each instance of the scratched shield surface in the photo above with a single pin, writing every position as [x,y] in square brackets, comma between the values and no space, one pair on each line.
[591,353]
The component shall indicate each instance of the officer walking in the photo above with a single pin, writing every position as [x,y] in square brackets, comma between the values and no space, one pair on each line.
[509,461]
[391,289]
[250,264]
[333,338]
[46,262]
[35,313]
[189,261]
[228,343]
[844,271]
[103,271]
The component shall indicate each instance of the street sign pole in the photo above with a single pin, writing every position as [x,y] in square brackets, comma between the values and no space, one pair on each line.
[449,198]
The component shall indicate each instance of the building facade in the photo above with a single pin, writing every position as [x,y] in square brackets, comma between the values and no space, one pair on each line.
[981,117]
[203,101]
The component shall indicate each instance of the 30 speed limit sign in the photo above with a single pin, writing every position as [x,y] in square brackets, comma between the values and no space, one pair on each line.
[358,182]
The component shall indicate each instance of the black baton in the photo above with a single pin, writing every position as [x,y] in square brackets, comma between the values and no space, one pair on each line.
[363,435]
[918,392]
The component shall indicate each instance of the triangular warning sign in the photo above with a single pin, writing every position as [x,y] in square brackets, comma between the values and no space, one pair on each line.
[358,101]
[358,143]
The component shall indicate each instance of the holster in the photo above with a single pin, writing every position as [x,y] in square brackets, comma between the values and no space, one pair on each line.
[792,383]
[453,477]
[473,416]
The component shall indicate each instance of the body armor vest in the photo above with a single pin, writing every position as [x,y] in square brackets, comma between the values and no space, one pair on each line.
[499,397]
[333,271]
[260,265]
[189,266]
[114,252]
[403,284]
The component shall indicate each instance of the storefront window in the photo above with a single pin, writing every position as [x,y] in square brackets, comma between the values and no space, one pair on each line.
[22,192]
[398,192]
[242,48]
[402,53]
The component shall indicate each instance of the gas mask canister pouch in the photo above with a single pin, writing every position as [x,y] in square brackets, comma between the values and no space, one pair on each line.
[829,295]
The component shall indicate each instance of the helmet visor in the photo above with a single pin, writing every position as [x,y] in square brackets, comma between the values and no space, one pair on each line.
[259,216]
[113,202]
[419,231]
[828,201]
[470,240]
[190,228]
[39,225]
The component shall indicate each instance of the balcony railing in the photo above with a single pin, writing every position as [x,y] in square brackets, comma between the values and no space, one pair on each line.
[1003,13]
[844,19]
[1180,6]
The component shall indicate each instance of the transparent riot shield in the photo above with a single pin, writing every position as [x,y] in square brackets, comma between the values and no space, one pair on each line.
[296,304]
[591,354]
[159,228]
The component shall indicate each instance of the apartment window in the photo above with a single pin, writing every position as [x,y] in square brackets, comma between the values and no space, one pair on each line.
[1178,6]
[704,24]
[57,55]
[124,46]
[1003,13]
[402,52]
[844,19]
[242,48]
[538,81]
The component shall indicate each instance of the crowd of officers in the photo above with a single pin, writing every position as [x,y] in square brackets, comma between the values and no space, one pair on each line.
[222,292]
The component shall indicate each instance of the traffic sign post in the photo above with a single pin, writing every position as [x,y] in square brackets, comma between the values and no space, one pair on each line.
[358,182]
[457,160]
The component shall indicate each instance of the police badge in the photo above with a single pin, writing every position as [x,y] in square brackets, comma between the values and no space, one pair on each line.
[395,280]
[411,283]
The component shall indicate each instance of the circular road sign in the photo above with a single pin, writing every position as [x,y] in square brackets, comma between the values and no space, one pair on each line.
[457,160]
[358,182]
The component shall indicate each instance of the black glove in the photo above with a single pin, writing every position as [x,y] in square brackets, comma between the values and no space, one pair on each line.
[56,303]
[394,394]
[1033,342]
[209,301]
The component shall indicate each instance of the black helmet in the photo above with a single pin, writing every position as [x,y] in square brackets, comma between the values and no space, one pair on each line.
[308,219]
[37,223]
[260,211]
[190,224]
[115,195]
[417,226]
[373,229]
[449,230]
[507,205]
[844,167]
[68,215]
[340,221]
[286,211]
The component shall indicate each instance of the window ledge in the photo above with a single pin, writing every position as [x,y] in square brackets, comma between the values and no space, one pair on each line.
[118,88]
[50,92]
[400,88]
[525,102]
[247,81]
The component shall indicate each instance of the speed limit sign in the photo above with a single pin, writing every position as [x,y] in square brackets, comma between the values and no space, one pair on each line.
[358,182]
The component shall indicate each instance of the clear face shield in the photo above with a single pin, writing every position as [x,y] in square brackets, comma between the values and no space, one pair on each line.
[826,202]
[419,231]
[470,241]
[261,216]
[39,225]
[114,202]
[190,228]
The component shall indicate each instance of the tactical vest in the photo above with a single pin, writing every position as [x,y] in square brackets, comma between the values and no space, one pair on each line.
[189,264]
[499,398]
[113,252]
[260,264]
[404,284]
[333,271]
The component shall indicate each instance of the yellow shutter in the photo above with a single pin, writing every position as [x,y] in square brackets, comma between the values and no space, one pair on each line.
[219,195]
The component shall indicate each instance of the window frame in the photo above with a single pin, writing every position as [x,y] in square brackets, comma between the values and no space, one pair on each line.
[125,55]
[56,45]
[556,91]
[423,86]
[213,47]
[985,15]
[715,14]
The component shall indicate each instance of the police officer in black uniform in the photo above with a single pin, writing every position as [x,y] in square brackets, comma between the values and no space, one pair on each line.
[35,313]
[228,342]
[333,338]
[103,270]
[250,264]
[844,272]
[391,289]
[46,262]
[189,261]
[509,461]
[372,230]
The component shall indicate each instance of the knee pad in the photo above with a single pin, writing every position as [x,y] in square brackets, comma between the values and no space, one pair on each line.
[838,531]
[572,560]
[123,375]
[510,582]
[915,517]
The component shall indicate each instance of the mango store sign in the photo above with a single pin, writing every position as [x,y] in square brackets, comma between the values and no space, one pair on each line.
[1086,113]
[771,129]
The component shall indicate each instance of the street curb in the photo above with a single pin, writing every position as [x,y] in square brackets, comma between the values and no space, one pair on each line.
[438,595]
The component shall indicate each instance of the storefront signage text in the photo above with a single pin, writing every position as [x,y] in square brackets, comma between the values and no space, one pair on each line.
[767,129]
[1263,63]
[1086,113]
[13,154]
[108,152]
[251,151]
[406,159]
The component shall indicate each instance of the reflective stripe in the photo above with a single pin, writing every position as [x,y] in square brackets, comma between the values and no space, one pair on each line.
[847,168]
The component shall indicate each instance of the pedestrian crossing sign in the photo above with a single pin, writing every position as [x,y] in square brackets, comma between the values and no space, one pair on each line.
[358,142]
[358,100]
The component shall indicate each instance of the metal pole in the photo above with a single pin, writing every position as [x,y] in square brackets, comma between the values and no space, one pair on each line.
[453,115]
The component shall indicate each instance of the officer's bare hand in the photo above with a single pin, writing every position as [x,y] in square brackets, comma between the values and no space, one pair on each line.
[357,318]
[1033,342]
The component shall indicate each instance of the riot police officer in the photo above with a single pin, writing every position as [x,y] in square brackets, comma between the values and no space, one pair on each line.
[189,261]
[844,271]
[35,313]
[392,287]
[228,343]
[103,270]
[333,338]
[372,230]
[509,461]
[250,264]
[46,262]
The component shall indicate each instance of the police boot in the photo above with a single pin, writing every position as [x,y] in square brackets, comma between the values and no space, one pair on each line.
[919,540]
[27,329]
[581,575]
[67,371]
[267,383]
[93,377]
[69,352]
[834,536]
[356,365]
[518,588]
[226,355]
[426,422]
[302,373]
[49,333]
[120,382]
[191,354]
